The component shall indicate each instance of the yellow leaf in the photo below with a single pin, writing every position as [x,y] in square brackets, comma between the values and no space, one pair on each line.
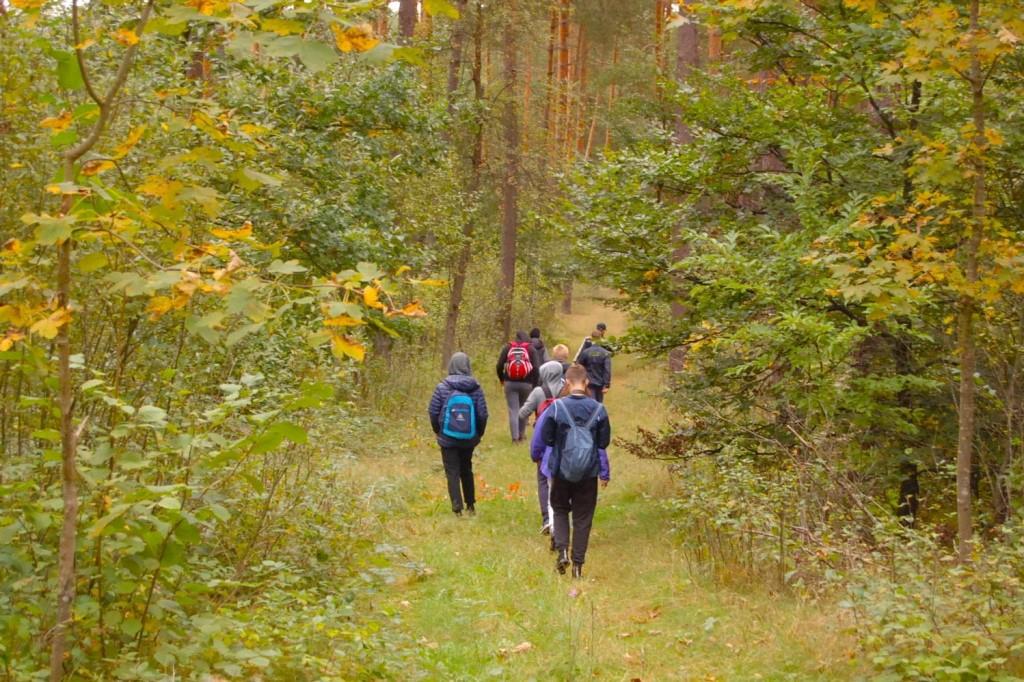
[88,42]
[96,166]
[27,4]
[414,309]
[402,270]
[158,305]
[345,346]
[10,339]
[57,123]
[133,138]
[12,245]
[161,188]
[371,297]
[244,232]
[49,326]
[342,321]
[126,37]
[357,38]
[431,282]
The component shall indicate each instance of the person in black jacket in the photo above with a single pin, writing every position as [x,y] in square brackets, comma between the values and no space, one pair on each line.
[597,360]
[457,453]
[538,345]
[517,390]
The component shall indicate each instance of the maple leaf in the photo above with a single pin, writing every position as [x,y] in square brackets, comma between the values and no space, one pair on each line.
[357,38]
[126,37]
[244,232]
[346,346]
[57,123]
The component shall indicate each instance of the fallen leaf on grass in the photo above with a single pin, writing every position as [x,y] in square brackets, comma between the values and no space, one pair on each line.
[520,648]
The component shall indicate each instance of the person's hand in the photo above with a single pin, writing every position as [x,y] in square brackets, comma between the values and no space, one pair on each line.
[607,388]
[604,483]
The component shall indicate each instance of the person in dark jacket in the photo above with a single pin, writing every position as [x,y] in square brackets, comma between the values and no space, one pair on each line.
[577,498]
[516,391]
[597,360]
[457,454]
[538,345]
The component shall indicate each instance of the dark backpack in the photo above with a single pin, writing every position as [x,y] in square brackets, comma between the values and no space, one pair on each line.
[578,458]
[517,362]
[459,413]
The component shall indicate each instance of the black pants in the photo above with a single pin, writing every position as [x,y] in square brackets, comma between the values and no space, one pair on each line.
[580,499]
[458,468]
[597,392]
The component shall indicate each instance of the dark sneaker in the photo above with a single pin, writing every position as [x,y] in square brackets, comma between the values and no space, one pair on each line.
[577,571]
[563,561]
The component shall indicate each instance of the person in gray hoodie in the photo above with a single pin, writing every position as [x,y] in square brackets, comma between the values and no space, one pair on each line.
[550,387]
[457,452]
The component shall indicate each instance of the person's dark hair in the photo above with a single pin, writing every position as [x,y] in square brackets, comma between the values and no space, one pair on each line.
[534,333]
[521,336]
[602,326]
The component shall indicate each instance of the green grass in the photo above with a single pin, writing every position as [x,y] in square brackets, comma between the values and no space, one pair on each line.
[486,585]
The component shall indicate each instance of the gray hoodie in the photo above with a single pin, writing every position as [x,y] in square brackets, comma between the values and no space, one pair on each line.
[551,378]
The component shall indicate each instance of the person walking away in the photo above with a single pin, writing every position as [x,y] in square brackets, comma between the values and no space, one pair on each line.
[597,360]
[539,400]
[538,346]
[599,332]
[458,415]
[576,428]
[517,372]
[561,354]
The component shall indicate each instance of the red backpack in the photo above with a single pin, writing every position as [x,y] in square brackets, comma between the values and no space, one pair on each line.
[517,362]
[548,399]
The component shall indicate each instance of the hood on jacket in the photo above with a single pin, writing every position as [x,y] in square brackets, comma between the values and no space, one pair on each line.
[551,377]
[462,382]
[459,364]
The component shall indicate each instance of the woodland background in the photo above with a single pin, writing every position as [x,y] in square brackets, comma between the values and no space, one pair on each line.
[240,238]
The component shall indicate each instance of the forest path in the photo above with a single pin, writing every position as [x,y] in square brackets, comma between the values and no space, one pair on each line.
[487,604]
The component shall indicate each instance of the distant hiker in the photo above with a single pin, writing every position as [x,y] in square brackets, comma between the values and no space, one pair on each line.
[576,428]
[458,415]
[539,401]
[538,346]
[517,372]
[597,360]
[599,332]
[561,354]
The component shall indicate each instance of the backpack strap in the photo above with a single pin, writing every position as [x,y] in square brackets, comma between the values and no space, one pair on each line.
[598,413]
[547,393]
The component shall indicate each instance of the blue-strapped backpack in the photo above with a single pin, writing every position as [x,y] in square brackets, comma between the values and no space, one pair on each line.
[579,458]
[459,417]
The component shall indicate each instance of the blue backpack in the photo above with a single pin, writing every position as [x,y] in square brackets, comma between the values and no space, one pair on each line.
[578,458]
[459,417]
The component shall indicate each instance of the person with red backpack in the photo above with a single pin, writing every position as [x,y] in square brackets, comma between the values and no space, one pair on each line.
[517,371]
[540,399]
[458,416]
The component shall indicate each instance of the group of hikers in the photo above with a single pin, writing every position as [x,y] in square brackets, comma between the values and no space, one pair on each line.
[571,431]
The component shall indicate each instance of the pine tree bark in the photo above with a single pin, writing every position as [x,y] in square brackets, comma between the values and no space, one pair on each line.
[510,179]
[966,341]
[461,269]
[408,11]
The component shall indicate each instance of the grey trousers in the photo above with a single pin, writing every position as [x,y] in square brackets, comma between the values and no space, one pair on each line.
[516,393]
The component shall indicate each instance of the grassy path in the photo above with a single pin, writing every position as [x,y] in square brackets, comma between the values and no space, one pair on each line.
[487,603]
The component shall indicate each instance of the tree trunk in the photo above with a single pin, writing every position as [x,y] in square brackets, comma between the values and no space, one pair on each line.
[461,269]
[407,14]
[687,59]
[510,181]
[550,94]
[455,63]
[562,118]
[966,314]
[567,288]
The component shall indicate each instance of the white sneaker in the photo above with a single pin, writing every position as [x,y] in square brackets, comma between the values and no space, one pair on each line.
[545,529]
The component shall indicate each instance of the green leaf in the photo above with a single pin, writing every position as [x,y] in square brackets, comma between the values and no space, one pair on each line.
[69,76]
[290,267]
[316,56]
[49,229]
[169,502]
[151,414]
[444,7]
[251,179]
[92,262]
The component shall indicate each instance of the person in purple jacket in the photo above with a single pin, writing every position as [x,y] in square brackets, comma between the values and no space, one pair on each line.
[541,455]
[578,496]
